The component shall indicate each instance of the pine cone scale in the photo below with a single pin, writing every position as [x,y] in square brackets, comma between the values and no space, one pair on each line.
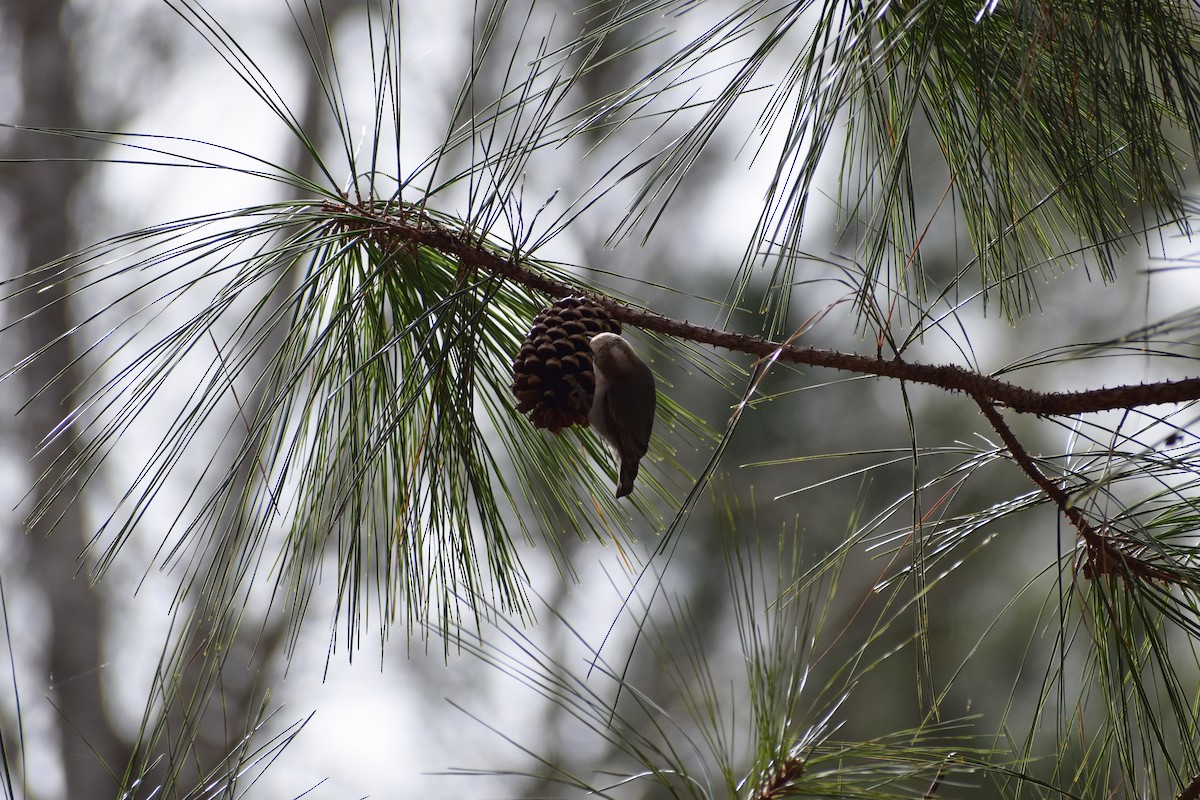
[553,379]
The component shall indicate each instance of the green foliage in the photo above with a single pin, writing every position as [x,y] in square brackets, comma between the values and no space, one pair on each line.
[1053,125]
[352,413]
[762,727]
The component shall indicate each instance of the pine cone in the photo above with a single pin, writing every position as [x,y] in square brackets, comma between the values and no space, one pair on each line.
[552,375]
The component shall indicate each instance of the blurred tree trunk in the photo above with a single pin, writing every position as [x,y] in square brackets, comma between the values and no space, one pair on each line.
[89,746]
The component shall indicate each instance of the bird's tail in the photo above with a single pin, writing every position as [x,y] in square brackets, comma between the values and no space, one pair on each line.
[629,471]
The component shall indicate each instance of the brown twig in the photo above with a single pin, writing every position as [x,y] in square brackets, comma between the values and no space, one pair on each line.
[779,781]
[932,792]
[1105,554]
[412,229]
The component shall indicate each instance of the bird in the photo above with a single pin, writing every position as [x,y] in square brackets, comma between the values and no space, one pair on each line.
[623,404]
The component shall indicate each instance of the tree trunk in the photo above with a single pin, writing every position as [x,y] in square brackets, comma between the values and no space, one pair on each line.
[89,746]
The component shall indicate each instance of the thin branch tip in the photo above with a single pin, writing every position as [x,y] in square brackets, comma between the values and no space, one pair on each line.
[1105,552]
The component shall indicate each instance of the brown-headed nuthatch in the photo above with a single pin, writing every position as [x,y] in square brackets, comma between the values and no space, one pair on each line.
[623,405]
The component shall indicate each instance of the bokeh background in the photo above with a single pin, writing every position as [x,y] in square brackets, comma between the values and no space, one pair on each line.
[409,716]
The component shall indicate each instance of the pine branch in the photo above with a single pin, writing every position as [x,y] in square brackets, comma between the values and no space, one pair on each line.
[1105,553]
[413,227]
